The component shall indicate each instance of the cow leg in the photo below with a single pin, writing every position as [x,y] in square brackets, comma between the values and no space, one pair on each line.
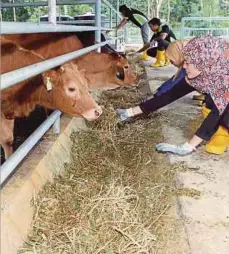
[8,149]
[6,136]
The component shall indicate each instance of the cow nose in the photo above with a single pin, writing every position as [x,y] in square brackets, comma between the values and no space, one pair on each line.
[98,112]
[93,114]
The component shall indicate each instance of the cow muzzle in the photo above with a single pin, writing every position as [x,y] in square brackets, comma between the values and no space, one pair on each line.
[93,113]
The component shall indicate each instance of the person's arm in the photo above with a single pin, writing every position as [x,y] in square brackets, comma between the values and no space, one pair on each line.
[179,90]
[145,47]
[164,34]
[122,24]
[161,36]
[205,132]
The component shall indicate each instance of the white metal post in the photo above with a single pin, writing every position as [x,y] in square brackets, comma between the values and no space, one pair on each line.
[52,19]
[14,13]
[98,22]
[111,18]
[182,28]
[59,13]
[52,11]
[117,9]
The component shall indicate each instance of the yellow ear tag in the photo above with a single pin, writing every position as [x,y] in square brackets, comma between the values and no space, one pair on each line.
[48,84]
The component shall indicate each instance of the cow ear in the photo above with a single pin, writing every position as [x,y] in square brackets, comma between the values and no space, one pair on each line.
[49,78]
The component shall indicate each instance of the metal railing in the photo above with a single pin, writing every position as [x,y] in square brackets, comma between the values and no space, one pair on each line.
[45,3]
[12,78]
[198,26]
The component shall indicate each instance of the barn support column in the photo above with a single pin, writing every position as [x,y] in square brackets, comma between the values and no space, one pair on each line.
[14,13]
[98,22]
[52,11]
[52,19]
[117,19]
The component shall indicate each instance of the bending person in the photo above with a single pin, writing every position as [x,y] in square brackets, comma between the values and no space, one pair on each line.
[158,43]
[206,61]
[137,18]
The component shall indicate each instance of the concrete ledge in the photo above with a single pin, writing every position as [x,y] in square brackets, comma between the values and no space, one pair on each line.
[42,163]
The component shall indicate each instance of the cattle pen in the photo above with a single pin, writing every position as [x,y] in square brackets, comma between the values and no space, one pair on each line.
[10,79]
[14,77]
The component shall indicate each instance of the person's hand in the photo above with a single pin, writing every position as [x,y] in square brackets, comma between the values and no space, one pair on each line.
[132,53]
[153,44]
[176,149]
[124,114]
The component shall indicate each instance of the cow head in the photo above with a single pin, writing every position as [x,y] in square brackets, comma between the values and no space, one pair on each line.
[67,91]
[125,75]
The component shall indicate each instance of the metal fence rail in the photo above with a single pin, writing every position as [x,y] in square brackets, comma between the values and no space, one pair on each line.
[9,166]
[45,3]
[198,26]
[28,28]
[11,78]
[14,77]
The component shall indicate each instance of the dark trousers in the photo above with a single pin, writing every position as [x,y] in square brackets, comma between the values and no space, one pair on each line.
[182,88]
[162,45]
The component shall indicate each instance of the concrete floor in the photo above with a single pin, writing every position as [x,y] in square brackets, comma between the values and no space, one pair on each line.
[206,219]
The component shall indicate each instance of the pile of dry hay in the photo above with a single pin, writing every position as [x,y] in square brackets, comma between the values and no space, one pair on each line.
[111,197]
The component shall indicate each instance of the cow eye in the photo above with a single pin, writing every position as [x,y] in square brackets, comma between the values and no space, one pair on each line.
[120,74]
[71,89]
[126,67]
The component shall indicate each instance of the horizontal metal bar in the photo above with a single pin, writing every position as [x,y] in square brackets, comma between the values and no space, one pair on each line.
[43,3]
[205,28]
[9,166]
[205,18]
[56,126]
[11,78]
[112,8]
[75,22]
[26,28]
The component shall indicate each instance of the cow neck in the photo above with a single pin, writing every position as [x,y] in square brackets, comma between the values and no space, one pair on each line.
[95,62]
[41,96]
[96,79]
[23,102]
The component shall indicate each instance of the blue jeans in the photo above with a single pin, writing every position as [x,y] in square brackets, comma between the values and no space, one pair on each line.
[145,33]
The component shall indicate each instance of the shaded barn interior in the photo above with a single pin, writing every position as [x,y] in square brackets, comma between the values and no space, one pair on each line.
[25,126]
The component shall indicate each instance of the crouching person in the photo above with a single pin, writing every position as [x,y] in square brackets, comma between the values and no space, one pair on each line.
[158,43]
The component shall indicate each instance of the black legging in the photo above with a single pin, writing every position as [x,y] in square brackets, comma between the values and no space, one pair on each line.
[209,125]
[162,45]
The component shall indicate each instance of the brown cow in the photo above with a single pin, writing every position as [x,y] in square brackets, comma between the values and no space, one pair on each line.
[50,45]
[64,88]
